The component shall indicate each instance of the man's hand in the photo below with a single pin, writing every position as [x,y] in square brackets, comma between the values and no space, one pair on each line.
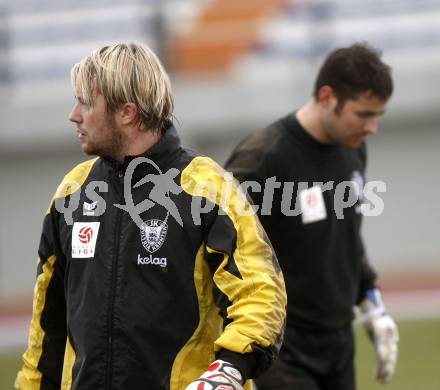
[220,375]
[383,332]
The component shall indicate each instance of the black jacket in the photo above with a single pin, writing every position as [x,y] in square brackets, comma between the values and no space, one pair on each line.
[124,306]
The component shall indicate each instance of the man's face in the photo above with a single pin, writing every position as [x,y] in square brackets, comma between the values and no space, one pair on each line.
[350,124]
[96,127]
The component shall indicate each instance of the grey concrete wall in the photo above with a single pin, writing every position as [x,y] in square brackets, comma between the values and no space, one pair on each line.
[404,239]
[27,184]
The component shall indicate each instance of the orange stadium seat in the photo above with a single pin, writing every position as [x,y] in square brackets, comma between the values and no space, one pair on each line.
[223,31]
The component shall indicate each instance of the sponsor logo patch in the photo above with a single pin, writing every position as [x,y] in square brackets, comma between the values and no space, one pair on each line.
[358,182]
[312,205]
[84,236]
[89,208]
[161,261]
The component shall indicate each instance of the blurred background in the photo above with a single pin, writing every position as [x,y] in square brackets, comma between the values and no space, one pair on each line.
[235,65]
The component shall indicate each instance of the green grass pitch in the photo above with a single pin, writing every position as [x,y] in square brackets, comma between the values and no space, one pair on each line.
[417,369]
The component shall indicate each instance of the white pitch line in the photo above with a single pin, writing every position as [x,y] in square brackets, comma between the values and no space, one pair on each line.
[413,304]
[14,331]
[403,305]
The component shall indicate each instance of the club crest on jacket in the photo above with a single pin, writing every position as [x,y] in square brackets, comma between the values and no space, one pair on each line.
[153,234]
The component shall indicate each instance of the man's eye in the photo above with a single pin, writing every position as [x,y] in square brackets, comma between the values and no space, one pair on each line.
[80,100]
[364,115]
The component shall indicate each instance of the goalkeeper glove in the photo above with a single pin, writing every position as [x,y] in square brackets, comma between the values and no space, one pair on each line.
[220,375]
[382,330]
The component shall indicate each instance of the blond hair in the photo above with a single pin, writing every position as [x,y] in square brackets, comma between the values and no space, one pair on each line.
[126,73]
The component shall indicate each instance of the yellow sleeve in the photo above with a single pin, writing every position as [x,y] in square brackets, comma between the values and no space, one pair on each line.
[248,284]
[44,357]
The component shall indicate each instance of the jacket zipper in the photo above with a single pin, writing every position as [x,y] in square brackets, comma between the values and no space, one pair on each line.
[110,319]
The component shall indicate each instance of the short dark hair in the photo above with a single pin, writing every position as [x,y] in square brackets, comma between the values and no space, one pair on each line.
[353,70]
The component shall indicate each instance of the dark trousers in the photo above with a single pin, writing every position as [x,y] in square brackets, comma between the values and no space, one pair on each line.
[313,361]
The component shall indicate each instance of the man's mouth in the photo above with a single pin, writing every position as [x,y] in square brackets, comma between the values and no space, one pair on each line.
[81,134]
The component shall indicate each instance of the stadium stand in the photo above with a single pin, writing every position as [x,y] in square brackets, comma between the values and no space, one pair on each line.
[222,32]
[40,40]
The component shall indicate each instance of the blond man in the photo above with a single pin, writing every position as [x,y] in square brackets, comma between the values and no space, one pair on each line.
[145,277]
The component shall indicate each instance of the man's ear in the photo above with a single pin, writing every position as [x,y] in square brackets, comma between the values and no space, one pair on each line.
[326,97]
[127,113]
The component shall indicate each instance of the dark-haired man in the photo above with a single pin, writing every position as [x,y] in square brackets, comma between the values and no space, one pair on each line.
[318,153]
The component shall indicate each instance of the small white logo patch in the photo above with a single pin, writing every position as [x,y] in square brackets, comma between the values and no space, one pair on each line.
[153,234]
[312,205]
[89,208]
[84,236]
[358,184]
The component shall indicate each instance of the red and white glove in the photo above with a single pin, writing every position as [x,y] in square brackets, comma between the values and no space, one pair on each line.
[382,330]
[220,375]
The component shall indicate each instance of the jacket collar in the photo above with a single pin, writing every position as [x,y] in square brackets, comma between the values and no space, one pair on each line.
[161,153]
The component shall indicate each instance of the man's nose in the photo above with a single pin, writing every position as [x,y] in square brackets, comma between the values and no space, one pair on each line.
[371,126]
[74,115]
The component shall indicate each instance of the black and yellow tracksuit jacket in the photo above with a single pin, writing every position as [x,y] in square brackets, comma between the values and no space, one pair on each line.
[122,306]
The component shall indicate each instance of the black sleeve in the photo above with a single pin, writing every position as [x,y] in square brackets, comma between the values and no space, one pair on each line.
[368,275]
[252,162]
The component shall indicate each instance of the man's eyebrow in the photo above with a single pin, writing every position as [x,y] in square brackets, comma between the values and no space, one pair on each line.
[79,98]
[371,113]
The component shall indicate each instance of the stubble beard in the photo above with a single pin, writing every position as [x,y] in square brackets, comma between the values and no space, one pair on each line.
[110,148]
[329,126]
